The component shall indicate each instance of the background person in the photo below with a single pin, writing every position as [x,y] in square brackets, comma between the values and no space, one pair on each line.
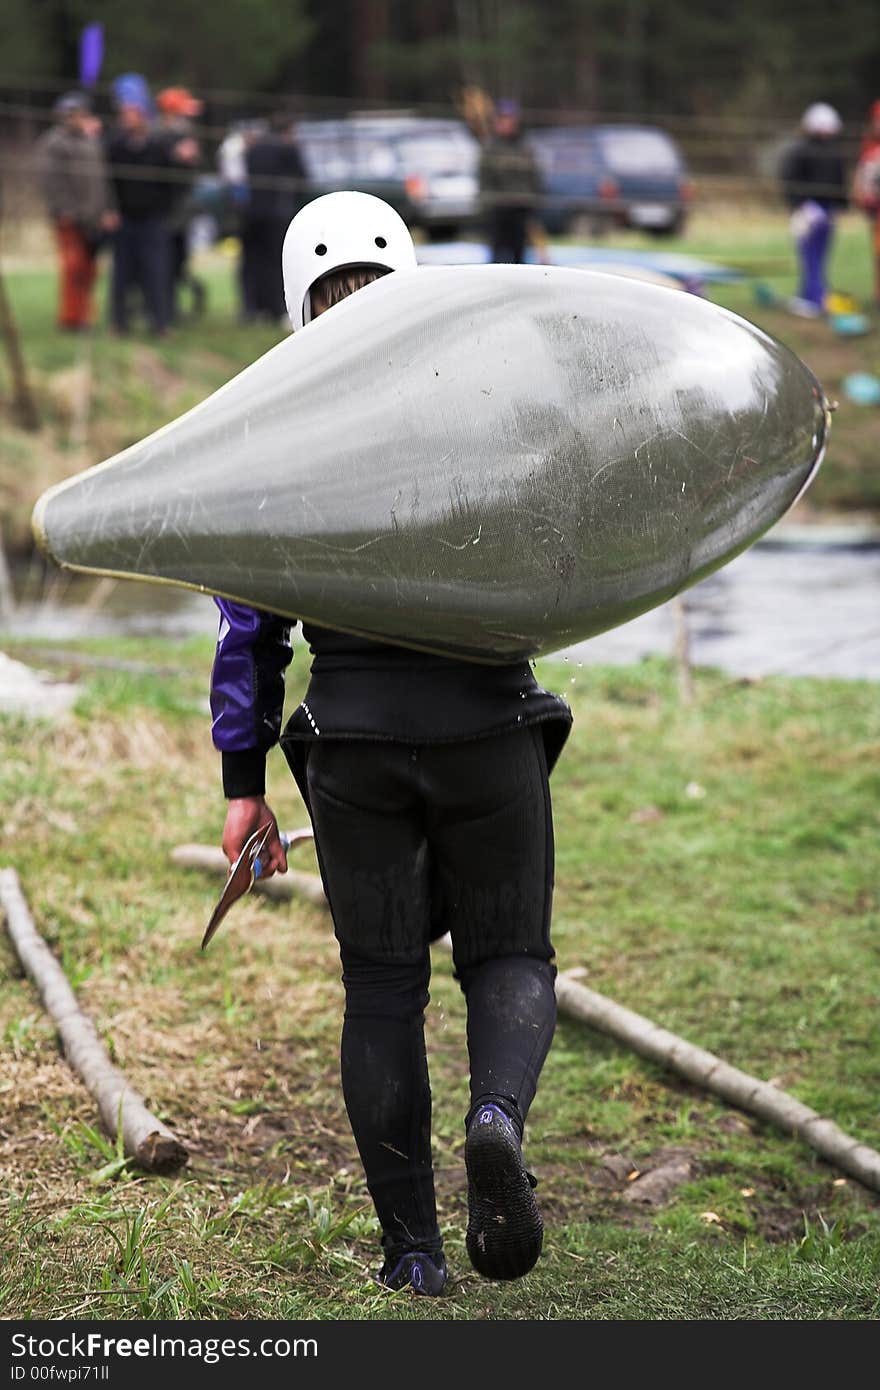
[143,167]
[276,178]
[80,205]
[814,186]
[510,186]
[178,109]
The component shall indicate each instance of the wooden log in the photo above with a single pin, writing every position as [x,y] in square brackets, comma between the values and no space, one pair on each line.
[146,1140]
[702,1068]
[712,1074]
[293,884]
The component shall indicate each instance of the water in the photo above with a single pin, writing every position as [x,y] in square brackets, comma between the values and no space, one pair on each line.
[808,609]
[805,608]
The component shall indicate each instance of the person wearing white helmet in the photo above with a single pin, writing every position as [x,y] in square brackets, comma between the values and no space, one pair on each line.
[427,783]
[814,186]
[339,232]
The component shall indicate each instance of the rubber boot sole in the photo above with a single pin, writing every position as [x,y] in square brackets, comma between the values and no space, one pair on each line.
[505,1231]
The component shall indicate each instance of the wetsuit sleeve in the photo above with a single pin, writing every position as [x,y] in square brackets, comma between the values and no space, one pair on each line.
[247,693]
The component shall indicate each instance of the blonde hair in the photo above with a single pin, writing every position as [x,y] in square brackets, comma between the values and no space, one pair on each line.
[339,284]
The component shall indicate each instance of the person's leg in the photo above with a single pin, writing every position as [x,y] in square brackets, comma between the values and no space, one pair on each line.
[275,273]
[123,276]
[68,261]
[492,834]
[247,284]
[493,839]
[388,1096]
[260,269]
[88,276]
[519,236]
[155,250]
[814,250]
[508,236]
[373,859]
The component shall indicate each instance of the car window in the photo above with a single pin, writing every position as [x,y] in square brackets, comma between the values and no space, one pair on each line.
[451,153]
[639,152]
[373,157]
[564,154]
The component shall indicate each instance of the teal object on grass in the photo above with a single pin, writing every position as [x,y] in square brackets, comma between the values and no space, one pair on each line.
[850,325]
[862,388]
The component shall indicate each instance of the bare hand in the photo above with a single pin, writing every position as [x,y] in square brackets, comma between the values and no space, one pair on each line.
[244,815]
[109,221]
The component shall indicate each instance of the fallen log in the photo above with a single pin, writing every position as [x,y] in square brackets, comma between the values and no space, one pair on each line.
[293,884]
[146,1140]
[624,1026]
[706,1070]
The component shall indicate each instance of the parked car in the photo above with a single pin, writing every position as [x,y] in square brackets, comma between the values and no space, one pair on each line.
[624,175]
[426,168]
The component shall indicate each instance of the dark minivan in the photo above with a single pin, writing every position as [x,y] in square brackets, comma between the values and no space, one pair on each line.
[425,168]
[612,175]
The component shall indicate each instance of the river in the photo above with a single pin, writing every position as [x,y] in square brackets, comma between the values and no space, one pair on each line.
[804,601]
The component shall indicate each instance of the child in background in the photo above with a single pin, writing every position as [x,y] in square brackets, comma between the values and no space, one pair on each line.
[814,185]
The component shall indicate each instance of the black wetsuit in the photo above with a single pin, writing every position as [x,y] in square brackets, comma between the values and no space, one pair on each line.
[427,783]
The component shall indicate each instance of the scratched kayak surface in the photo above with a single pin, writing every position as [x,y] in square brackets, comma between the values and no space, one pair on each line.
[486,461]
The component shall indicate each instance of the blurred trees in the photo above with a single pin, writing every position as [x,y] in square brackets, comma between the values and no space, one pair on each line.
[240,44]
[633,56]
[659,57]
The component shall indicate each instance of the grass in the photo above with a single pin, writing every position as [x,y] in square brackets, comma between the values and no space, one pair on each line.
[717,869]
[134,386]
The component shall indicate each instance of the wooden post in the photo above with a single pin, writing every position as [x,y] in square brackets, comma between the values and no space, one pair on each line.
[683,651]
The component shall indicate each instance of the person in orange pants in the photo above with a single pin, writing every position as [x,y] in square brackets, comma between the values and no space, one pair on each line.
[79,202]
[79,267]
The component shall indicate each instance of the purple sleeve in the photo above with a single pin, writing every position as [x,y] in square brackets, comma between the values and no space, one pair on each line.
[247,692]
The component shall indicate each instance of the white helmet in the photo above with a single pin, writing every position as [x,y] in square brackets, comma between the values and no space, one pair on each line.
[337,231]
[821,119]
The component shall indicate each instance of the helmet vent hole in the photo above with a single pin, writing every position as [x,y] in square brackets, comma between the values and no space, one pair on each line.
[381,243]
[320,249]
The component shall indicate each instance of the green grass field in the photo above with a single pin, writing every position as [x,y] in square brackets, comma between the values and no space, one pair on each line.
[717,870]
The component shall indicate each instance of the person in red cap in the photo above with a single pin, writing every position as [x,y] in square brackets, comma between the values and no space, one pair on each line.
[178,108]
[179,103]
[866,186]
